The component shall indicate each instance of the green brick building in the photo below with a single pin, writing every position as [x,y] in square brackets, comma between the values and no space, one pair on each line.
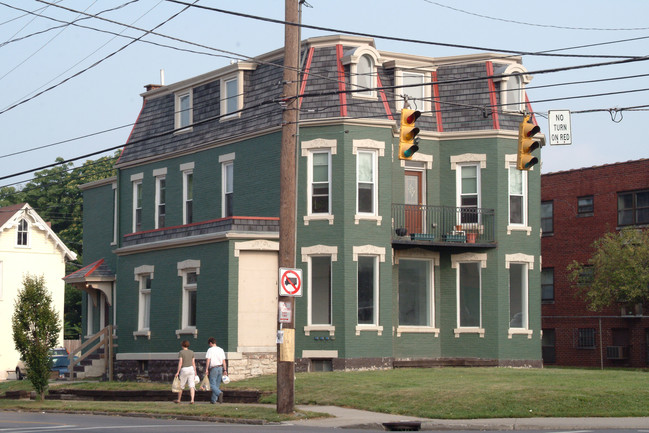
[432,261]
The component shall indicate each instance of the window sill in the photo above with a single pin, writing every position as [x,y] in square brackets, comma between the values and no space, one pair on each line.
[458,331]
[520,331]
[375,328]
[319,217]
[182,130]
[187,331]
[232,116]
[417,330]
[357,95]
[326,328]
[359,217]
[142,333]
[518,228]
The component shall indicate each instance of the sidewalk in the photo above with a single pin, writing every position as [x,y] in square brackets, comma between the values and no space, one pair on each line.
[352,418]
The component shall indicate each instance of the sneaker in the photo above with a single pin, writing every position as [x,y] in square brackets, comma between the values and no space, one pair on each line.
[220,399]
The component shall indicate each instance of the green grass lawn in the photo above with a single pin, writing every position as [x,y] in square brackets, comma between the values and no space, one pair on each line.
[459,393]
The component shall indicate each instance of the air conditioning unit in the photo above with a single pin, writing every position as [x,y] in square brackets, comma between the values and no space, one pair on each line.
[617,352]
[631,310]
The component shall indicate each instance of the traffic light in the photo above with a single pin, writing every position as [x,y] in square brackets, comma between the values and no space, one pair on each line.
[408,140]
[526,145]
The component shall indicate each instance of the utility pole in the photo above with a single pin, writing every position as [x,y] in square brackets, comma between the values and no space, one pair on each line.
[288,207]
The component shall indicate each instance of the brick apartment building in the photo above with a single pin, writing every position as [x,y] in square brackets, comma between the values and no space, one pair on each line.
[578,207]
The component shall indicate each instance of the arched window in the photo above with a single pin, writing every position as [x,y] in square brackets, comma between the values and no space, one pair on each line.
[23,233]
[365,75]
[513,79]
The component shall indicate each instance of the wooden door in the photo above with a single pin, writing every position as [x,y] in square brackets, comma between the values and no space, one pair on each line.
[414,210]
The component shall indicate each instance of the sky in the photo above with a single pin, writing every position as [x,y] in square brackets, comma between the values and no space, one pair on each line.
[60,82]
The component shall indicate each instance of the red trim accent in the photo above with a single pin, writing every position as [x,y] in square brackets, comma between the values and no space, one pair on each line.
[341,80]
[383,98]
[492,95]
[131,133]
[438,106]
[529,109]
[94,265]
[203,222]
[305,76]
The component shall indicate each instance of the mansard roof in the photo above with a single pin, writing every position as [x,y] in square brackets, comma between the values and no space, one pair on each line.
[463,97]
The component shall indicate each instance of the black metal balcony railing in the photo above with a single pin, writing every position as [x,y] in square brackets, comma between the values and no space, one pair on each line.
[442,224]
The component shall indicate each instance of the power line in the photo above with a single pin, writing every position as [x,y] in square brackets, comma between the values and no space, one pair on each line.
[393,38]
[94,64]
[534,24]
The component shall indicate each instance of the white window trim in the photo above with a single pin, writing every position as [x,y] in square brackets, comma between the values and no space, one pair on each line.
[528,260]
[224,192]
[29,233]
[238,75]
[504,74]
[178,114]
[160,175]
[351,59]
[307,253]
[458,189]
[308,148]
[379,255]
[140,274]
[377,149]
[186,169]
[136,180]
[184,268]
[324,215]
[456,259]
[510,161]
[424,106]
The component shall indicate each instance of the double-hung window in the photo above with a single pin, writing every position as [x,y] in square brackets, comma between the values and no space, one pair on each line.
[518,298]
[547,285]
[366,182]
[22,232]
[469,193]
[468,268]
[320,188]
[320,299]
[188,192]
[366,76]
[160,201]
[136,180]
[415,89]
[231,96]
[144,278]
[184,115]
[547,217]
[367,258]
[228,189]
[517,196]
[585,205]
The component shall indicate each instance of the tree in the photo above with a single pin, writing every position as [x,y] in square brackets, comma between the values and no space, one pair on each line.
[36,327]
[617,272]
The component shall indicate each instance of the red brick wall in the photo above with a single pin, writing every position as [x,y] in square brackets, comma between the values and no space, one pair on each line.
[572,239]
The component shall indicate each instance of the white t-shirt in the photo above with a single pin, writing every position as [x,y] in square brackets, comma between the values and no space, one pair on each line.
[216,355]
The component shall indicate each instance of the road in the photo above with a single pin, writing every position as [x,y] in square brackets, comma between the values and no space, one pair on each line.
[32,422]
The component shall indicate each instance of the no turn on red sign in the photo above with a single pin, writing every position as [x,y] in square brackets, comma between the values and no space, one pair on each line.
[290,282]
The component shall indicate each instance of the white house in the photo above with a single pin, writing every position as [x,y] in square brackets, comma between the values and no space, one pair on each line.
[27,246]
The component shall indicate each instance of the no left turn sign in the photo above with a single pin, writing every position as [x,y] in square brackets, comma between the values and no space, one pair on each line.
[290,282]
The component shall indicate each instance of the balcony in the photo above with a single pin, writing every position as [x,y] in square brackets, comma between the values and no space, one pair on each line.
[423,225]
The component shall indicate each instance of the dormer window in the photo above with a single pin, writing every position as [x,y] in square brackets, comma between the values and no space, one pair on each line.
[22,233]
[513,79]
[184,115]
[363,62]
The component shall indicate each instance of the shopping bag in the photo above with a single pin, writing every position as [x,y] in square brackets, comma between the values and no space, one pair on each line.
[175,385]
[205,384]
[225,379]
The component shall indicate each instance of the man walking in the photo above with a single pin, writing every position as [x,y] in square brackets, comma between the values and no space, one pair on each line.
[217,367]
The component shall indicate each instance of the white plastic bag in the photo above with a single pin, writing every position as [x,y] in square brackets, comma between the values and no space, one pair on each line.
[205,384]
[175,385]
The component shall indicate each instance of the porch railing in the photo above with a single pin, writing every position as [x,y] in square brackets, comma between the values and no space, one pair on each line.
[103,338]
[443,224]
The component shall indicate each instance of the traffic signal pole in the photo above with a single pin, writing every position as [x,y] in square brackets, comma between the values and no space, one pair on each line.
[288,207]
